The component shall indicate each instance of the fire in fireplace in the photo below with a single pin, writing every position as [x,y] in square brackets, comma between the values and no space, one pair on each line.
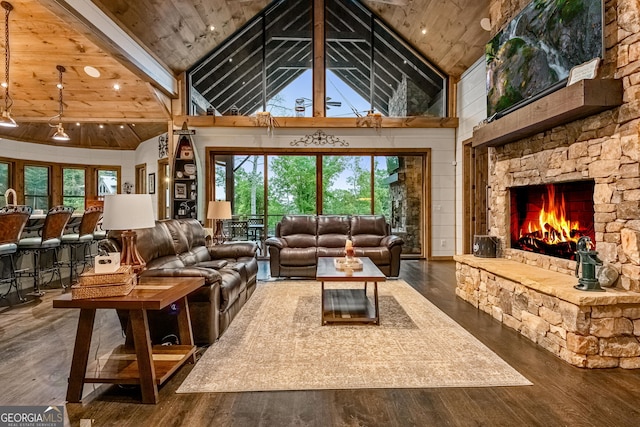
[549,219]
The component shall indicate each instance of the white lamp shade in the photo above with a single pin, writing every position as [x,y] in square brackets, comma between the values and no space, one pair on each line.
[127,212]
[219,209]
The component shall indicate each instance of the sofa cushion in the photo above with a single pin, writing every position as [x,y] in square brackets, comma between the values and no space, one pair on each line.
[333,231]
[298,256]
[298,231]
[152,242]
[180,242]
[379,255]
[194,232]
[231,287]
[332,252]
[368,230]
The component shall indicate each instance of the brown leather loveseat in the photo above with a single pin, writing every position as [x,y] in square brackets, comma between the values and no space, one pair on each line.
[301,239]
[177,248]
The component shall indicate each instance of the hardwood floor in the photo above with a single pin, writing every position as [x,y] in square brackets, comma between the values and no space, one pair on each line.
[36,343]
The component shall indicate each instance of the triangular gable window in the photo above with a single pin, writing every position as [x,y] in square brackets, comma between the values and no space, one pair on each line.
[267,66]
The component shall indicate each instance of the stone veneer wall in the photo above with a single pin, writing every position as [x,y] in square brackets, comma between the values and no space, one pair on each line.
[406,195]
[603,147]
[585,329]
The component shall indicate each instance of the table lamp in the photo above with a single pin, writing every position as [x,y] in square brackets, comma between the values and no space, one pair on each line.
[128,212]
[219,210]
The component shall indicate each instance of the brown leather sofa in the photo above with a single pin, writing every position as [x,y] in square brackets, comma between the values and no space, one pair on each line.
[177,248]
[301,239]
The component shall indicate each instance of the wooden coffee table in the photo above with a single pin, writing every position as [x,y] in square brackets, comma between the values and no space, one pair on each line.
[143,364]
[349,305]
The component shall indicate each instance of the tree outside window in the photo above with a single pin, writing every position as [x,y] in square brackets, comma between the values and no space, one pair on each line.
[4,182]
[73,188]
[36,187]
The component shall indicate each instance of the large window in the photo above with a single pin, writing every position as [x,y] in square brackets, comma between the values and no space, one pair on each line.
[390,185]
[267,66]
[73,188]
[36,187]
[4,182]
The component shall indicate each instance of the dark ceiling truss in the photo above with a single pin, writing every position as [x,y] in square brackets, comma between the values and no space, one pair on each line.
[275,48]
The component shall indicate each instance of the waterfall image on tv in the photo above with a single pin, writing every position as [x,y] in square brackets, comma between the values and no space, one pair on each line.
[538,48]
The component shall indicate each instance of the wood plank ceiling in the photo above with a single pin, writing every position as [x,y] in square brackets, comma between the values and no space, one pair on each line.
[178,33]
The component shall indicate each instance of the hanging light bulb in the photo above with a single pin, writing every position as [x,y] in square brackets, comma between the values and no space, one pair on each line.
[60,134]
[5,119]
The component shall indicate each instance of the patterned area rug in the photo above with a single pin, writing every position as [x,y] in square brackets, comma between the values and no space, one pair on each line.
[277,343]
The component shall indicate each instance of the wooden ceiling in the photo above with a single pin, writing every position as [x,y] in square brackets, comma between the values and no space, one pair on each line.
[43,34]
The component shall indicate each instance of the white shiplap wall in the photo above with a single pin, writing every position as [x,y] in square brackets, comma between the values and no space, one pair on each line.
[440,141]
[472,109]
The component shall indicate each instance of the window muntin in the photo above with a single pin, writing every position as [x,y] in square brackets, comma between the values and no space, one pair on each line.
[36,187]
[267,66]
[73,188]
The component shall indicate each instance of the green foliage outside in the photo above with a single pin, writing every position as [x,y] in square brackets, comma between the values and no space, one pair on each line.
[73,187]
[4,182]
[36,187]
[292,186]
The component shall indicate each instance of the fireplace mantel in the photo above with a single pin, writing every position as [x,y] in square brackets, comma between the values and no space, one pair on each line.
[581,99]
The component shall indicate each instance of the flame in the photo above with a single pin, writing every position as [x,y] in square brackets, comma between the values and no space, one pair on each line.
[552,226]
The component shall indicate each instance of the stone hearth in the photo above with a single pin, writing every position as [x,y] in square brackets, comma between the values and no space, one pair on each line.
[585,329]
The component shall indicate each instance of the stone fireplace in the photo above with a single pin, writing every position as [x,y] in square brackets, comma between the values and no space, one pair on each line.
[531,291]
[549,219]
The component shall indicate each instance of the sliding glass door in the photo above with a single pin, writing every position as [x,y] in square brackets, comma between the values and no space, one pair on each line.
[264,187]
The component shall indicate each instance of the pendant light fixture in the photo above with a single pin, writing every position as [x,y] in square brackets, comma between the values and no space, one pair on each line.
[60,134]
[5,119]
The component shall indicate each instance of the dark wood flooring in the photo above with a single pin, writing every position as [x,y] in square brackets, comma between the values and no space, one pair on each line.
[36,344]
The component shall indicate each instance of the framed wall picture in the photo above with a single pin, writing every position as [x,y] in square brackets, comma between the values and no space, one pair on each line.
[180,190]
[151,186]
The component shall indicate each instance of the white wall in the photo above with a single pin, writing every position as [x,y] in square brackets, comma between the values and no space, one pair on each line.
[472,109]
[147,153]
[441,142]
[80,156]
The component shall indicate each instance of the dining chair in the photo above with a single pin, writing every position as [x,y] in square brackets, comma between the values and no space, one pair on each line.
[13,219]
[79,243]
[44,248]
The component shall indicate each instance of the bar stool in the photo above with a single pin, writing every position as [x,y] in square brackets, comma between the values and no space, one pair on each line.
[81,240]
[45,247]
[13,218]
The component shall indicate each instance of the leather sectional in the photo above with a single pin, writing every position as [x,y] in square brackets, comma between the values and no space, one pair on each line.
[300,239]
[177,248]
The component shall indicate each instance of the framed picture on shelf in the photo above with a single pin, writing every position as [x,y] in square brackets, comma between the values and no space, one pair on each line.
[152,183]
[180,190]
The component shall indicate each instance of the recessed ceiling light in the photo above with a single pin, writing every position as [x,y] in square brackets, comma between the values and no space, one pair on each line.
[212,28]
[92,72]
[121,126]
[116,86]
[77,123]
[101,126]
[424,31]
[485,23]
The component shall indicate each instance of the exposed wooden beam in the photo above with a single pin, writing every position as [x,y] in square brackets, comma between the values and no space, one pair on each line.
[320,122]
[319,81]
[106,33]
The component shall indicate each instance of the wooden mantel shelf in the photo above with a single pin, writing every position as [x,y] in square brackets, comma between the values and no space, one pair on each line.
[581,99]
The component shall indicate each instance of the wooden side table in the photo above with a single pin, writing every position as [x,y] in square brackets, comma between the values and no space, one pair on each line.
[143,364]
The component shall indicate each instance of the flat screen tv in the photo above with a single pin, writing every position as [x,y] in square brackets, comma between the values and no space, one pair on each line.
[533,54]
